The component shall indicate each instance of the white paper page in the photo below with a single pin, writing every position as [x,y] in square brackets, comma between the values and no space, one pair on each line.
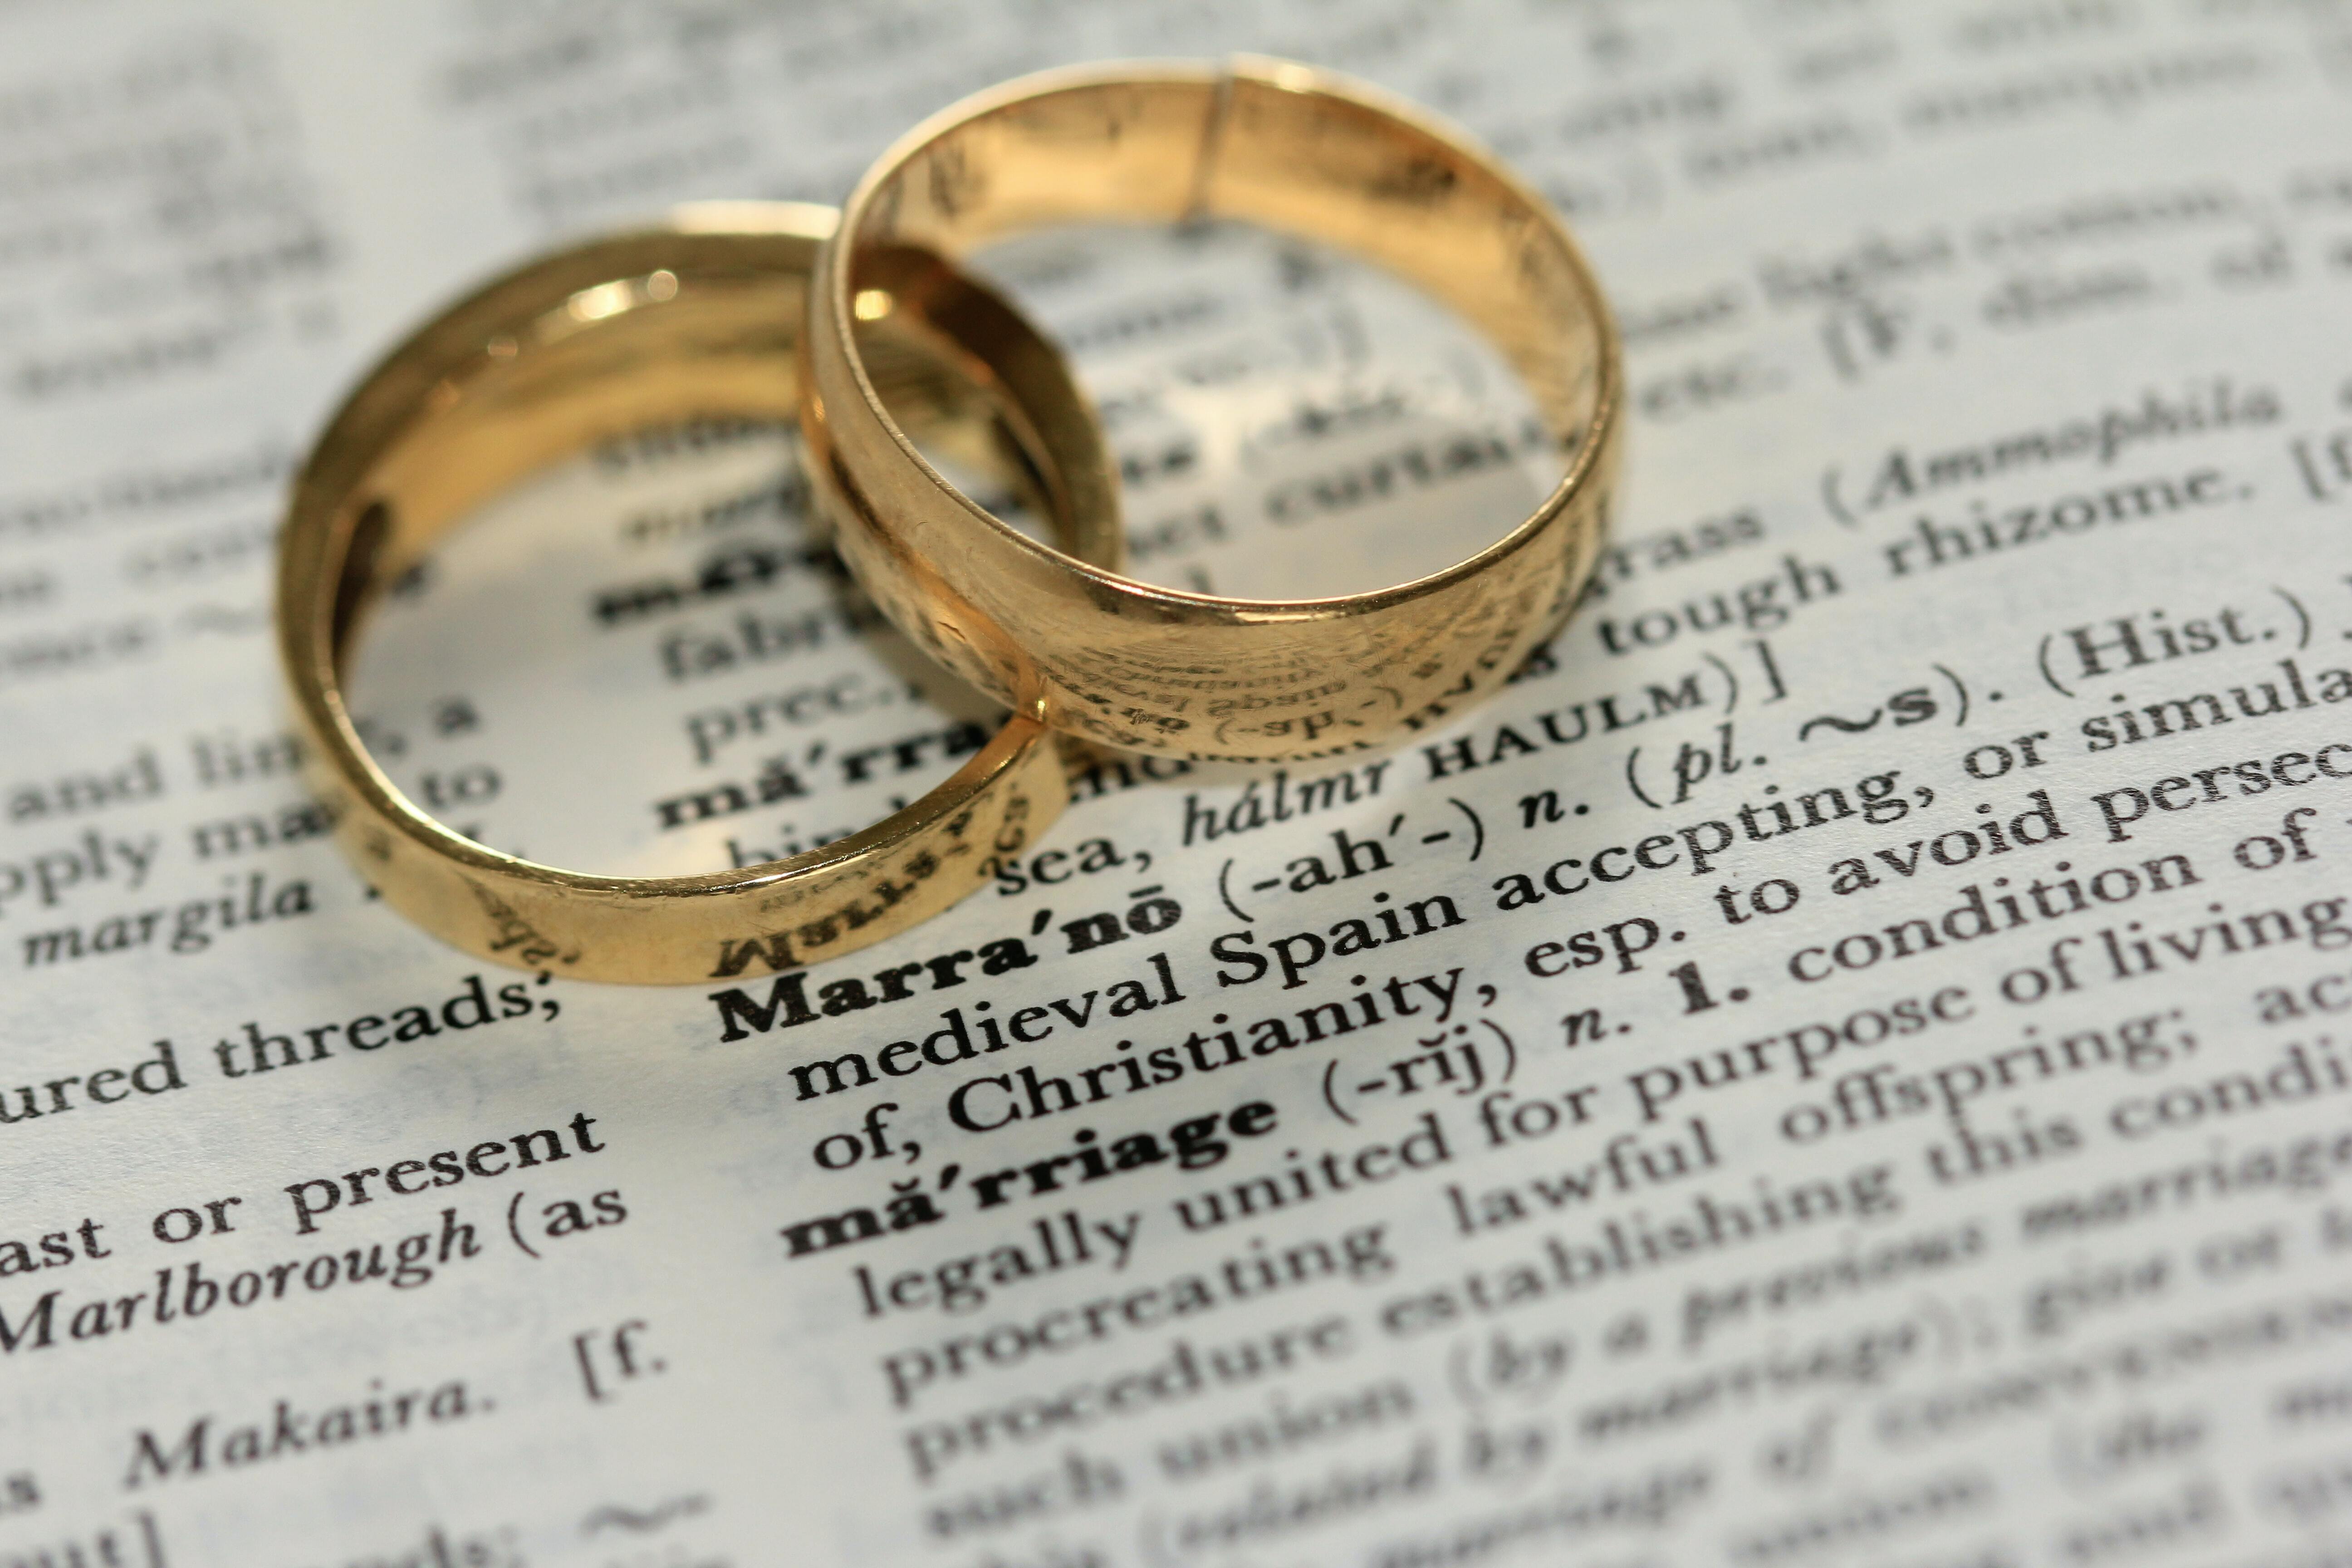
[1836,1063]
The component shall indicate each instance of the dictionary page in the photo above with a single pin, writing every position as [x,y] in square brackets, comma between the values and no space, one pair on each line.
[1837,1063]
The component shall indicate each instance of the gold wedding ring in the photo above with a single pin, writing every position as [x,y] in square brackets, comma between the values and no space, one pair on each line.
[701,319]
[1293,150]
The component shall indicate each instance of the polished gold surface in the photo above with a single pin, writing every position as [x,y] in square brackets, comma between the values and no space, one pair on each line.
[1291,149]
[701,319]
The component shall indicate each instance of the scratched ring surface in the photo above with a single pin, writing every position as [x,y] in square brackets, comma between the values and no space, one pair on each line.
[1295,150]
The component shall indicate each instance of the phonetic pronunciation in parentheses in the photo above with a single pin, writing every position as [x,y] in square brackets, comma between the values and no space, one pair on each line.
[1462,1060]
[1446,826]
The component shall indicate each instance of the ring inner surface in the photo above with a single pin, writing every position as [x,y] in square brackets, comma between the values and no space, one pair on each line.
[1305,164]
[721,599]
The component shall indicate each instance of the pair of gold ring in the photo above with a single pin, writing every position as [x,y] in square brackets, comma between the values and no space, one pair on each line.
[866,329]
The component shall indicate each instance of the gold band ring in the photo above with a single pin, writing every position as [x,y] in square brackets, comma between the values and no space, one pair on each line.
[701,319]
[1290,148]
